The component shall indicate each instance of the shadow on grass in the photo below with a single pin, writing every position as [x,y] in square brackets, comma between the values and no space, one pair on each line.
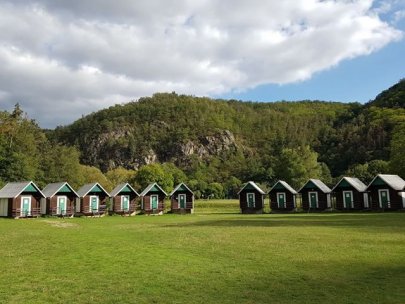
[392,221]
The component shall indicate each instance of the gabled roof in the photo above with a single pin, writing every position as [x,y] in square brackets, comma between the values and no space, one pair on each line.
[178,186]
[394,181]
[12,190]
[253,185]
[149,187]
[85,189]
[119,188]
[319,184]
[354,182]
[285,185]
[51,189]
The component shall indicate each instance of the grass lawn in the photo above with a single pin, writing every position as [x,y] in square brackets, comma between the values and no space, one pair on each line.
[212,256]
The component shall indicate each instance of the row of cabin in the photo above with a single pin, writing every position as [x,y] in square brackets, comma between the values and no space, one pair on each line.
[385,192]
[25,199]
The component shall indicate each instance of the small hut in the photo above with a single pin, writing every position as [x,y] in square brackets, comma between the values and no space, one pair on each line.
[20,199]
[153,199]
[251,198]
[315,195]
[350,194]
[387,192]
[124,199]
[182,199]
[59,199]
[92,200]
[282,197]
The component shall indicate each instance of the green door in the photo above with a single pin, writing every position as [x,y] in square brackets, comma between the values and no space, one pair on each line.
[154,199]
[182,200]
[348,199]
[125,202]
[384,198]
[313,199]
[26,206]
[94,204]
[61,208]
[251,200]
[281,200]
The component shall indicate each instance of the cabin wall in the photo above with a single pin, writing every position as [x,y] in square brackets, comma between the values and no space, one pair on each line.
[35,205]
[259,202]
[358,199]
[146,205]
[322,199]
[175,204]
[395,197]
[290,205]
[52,203]
[133,202]
[85,203]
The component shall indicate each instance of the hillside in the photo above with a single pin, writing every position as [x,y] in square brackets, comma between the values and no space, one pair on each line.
[214,145]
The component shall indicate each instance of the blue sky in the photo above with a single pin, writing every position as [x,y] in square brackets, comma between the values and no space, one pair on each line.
[64,59]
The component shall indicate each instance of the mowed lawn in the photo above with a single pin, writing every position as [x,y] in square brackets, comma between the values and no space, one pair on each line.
[208,257]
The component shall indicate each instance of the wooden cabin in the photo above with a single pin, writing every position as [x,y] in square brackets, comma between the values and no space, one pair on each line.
[182,199]
[350,194]
[315,195]
[59,199]
[282,197]
[387,192]
[124,199]
[20,199]
[251,198]
[92,200]
[153,199]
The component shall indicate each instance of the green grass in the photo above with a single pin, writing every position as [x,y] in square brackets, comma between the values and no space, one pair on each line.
[205,258]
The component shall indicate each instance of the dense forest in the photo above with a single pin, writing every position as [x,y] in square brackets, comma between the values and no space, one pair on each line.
[213,145]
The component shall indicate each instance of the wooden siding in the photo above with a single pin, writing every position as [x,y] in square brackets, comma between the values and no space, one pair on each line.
[85,203]
[395,202]
[259,201]
[52,203]
[322,199]
[289,200]
[358,198]
[146,204]
[175,205]
[15,205]
[133,203]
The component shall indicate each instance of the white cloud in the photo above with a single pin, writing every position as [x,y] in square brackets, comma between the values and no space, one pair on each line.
[61,59]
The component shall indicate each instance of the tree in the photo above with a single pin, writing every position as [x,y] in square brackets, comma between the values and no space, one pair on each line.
[120,175]
[154,173]
[397,159]
[91,174]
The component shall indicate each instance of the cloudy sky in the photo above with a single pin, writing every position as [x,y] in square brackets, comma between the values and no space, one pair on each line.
[62,59]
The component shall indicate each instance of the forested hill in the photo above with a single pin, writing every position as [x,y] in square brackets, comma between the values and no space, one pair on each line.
[214,145]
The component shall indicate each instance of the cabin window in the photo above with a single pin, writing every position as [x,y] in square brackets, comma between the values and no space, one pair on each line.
[250,200]
[182,201]
[61,205]
[125,202]
[25,205]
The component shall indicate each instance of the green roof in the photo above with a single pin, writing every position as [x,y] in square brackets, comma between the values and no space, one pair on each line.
[126,189]
[96,188]
[30,188]
[65,189]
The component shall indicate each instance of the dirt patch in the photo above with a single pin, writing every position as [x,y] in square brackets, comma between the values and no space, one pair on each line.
[61,224]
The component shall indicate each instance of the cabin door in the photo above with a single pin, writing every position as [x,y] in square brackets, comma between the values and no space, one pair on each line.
[125,202]
[281,200]
[93,203]
[250,200]
[348,199]
[154,201]
[182,201]
[384,198]
[25,205]
[61,205]
[313,199]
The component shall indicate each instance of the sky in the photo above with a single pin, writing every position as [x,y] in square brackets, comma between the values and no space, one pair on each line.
[64,59]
